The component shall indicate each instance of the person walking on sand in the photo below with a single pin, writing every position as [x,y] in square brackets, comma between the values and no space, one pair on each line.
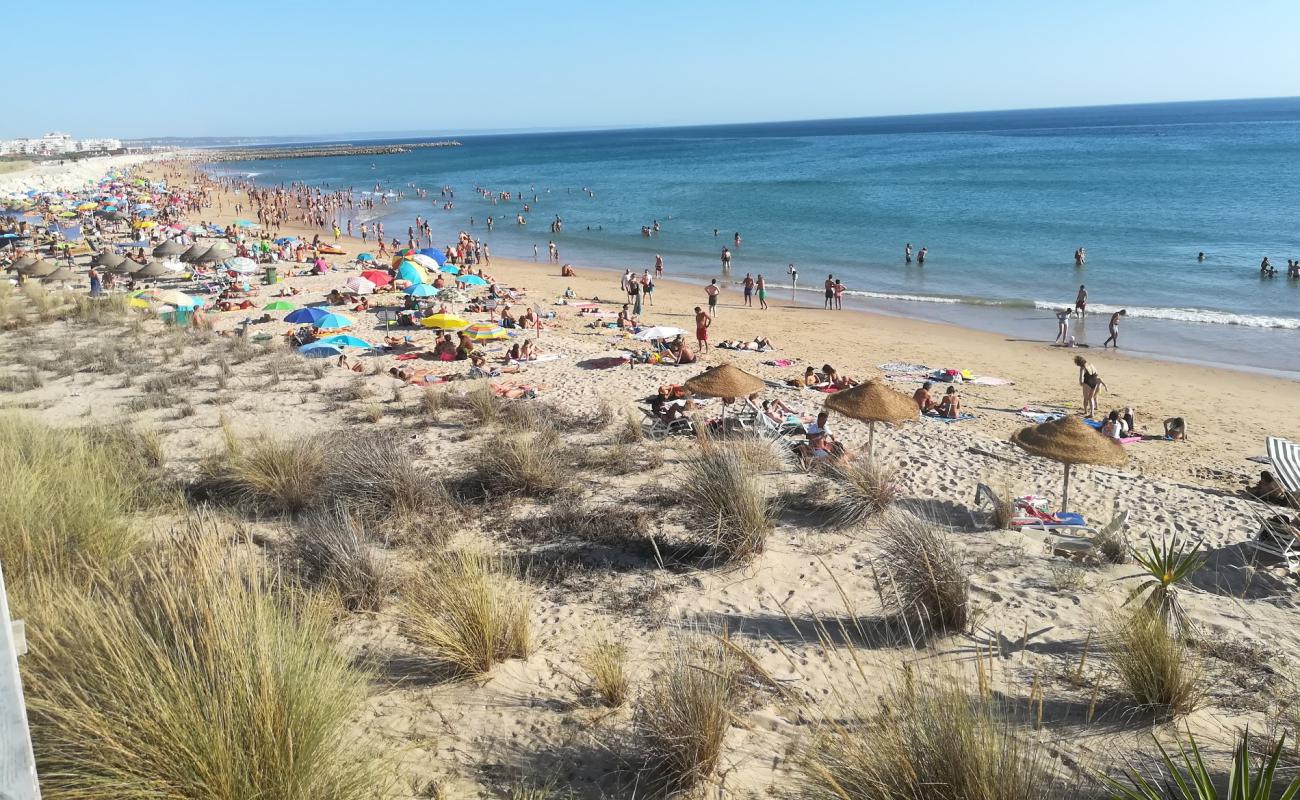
[748,285]
[839,295]
[828,300]
[659,266]
[1063,326]
[702,323]
[1092,385]
[1081,300]
[713,290]
[1114,328]
[761,285]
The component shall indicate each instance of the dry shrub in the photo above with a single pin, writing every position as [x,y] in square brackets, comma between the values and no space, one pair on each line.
[373,412]
[859,491]
[433,401]
[332,551]
[267,476]
[21,381]
[927,738]
[928,580]
[374,477]
[528,464]
[469,610]
[630,430]
[187,676]
[605,662]
[585,523]
[67,495]
[1111,547]
[483,406]
[1158,671]
[682,716]
[729,509]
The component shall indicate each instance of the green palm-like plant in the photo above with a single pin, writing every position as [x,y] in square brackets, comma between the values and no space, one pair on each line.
[1169,562]
[1191,780]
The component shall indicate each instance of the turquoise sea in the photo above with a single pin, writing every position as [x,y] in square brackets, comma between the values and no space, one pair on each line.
[1000,199]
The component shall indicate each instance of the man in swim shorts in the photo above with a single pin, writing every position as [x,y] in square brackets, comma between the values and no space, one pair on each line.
[702,323]
[713,290]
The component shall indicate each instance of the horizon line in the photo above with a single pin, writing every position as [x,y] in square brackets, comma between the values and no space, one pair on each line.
[613,128]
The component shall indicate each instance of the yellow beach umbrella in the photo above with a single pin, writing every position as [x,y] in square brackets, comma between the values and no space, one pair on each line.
[446,322]
[145,223]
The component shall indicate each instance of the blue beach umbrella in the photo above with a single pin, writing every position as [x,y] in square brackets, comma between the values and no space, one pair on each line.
[343,340]
[450,270]
[283,240]
[331,322]
[411,272]
[365,257]
[421,290]
[471,280]
[434,253]
[309,315]
[320,350]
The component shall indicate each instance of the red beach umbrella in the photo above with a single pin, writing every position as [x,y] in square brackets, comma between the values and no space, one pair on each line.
[377,278]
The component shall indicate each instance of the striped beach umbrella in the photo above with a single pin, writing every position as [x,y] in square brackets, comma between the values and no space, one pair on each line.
[483,331]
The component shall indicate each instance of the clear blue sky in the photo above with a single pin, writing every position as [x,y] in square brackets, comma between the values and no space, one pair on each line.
[130,68]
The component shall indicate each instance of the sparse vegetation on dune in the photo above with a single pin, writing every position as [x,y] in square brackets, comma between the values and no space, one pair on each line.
[928,580]
[331,550]
[682,716]
[1158,672]
[731,512]
[927,738]
[184,675]
[469,610]
[605,662]
[859,491]
[369,476]
[527,464]
[67,495]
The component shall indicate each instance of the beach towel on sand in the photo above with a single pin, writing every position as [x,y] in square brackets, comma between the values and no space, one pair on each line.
[962,418]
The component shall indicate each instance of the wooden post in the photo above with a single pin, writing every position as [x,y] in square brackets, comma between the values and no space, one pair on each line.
[17,764]
[1065,490]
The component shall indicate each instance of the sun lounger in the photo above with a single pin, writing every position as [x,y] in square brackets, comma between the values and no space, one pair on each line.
[655,428]
[1025,515]
[1277,538]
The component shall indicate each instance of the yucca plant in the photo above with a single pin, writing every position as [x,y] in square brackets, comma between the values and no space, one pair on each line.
[1189,779]
[1167,564]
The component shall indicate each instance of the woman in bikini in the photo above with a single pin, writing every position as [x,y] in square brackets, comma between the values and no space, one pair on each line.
[1091,383]
[950,406]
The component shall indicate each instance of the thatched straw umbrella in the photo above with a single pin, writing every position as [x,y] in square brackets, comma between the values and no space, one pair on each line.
[723,380]
[151,270]
[872,402]
[169,248]
[41,268]
[1069,441]
[23,263]
[194,252]
[59,275]
[110,261]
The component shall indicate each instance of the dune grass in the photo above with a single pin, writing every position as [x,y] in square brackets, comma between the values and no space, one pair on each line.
[925,738]
[184,676]
[1159,672]
[469,610]
[928,580]
[730,511]
[860,490]
[605,662]
[67,495]
[682,717]
[525,464]
[373,477]
[331,550]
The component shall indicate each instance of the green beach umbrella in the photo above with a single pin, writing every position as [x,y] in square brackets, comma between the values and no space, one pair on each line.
[279,305]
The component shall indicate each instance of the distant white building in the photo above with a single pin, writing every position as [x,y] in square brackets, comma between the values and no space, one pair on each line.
[56,143]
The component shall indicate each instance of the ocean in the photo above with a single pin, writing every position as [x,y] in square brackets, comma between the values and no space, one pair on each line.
[1001,200]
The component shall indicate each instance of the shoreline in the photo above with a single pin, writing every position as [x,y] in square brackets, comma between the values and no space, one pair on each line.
[1229,412]
[1242,342]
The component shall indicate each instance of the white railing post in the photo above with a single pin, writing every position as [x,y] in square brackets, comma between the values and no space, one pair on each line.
[17,764]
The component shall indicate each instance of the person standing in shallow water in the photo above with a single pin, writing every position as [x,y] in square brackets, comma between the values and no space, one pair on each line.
[907,254]
[1114,328]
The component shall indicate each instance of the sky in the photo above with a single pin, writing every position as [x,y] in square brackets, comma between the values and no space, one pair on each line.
[130,68]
